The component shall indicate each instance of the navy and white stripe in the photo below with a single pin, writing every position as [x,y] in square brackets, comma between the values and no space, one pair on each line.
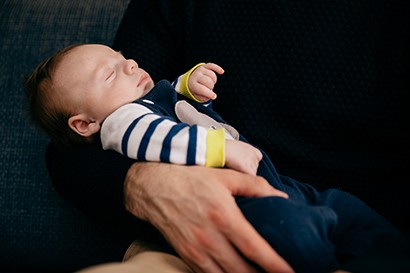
[135,131]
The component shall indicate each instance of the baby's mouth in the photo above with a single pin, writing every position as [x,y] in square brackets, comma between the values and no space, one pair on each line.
[142,79]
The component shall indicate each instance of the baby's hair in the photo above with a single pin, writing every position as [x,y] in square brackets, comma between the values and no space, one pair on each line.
[45,109]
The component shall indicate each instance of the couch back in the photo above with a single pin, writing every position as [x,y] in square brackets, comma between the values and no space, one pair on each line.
[38,230]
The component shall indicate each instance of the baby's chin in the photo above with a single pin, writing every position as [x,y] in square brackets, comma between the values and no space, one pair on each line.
[148,87]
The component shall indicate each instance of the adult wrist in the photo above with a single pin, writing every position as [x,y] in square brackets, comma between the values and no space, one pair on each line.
[135,190]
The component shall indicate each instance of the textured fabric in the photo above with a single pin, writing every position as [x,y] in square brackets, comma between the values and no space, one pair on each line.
[39,231]
[321,86]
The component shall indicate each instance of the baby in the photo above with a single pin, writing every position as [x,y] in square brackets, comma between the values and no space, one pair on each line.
[89,93]
[87,88]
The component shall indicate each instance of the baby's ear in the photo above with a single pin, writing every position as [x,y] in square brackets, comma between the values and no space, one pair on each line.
[83,126]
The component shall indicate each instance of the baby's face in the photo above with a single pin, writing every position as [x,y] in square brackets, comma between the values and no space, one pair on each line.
[96,80]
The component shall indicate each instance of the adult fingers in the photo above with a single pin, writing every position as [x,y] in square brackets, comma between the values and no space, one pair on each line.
[209,248]
[234,233]
[251,244]
[241,184]
[218,256]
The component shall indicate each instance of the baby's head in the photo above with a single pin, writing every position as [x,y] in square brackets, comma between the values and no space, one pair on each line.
[72,92]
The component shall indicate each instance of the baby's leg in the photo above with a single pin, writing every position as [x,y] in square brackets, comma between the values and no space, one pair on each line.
[300,234]
[360,229]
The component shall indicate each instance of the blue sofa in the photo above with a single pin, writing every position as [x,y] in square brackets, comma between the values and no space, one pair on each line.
[38,230]
[336,115]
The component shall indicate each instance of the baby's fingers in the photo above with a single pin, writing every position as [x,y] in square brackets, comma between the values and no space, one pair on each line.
[214,67]
[203,93]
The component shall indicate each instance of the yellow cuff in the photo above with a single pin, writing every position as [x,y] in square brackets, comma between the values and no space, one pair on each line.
[184,84]
[215,148]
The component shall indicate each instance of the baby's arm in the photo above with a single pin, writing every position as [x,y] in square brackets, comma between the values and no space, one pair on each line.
[198,84]
[127,132]
[136,132]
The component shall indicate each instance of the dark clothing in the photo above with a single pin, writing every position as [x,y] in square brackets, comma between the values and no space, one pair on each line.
[313,231]
[320,86]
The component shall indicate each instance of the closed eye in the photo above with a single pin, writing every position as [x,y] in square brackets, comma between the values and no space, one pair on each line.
[110,75]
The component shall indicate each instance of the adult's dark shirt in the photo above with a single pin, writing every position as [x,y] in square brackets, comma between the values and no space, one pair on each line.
[320,86]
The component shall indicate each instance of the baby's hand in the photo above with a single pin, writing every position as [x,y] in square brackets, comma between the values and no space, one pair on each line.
[242,156]
[202,81]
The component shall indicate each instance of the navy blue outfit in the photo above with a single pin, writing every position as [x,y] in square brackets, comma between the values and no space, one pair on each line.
[314,231]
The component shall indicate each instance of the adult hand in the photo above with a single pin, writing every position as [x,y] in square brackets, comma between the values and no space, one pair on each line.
[195,209]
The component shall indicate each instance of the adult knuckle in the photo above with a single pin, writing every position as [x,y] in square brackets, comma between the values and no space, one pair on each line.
[259,181]
[251,249]
[204,239]
[191,252]
[219,218]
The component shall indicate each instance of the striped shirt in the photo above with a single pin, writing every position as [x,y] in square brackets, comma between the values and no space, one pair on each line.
[148,130]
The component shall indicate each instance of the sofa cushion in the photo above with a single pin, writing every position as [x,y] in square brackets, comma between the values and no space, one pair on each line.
[38,230]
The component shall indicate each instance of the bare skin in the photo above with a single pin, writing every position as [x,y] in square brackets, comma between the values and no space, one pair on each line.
[194,208]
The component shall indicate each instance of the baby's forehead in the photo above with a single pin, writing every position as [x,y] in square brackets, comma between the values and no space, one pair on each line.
[84,56]
[73,69]
[81,63]
[90,52]
[93,49]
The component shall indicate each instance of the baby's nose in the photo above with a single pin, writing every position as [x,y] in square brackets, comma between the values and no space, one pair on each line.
[131,66]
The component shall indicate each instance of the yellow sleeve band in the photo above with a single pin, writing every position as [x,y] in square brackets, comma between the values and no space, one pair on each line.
[215,148]
[184,84]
